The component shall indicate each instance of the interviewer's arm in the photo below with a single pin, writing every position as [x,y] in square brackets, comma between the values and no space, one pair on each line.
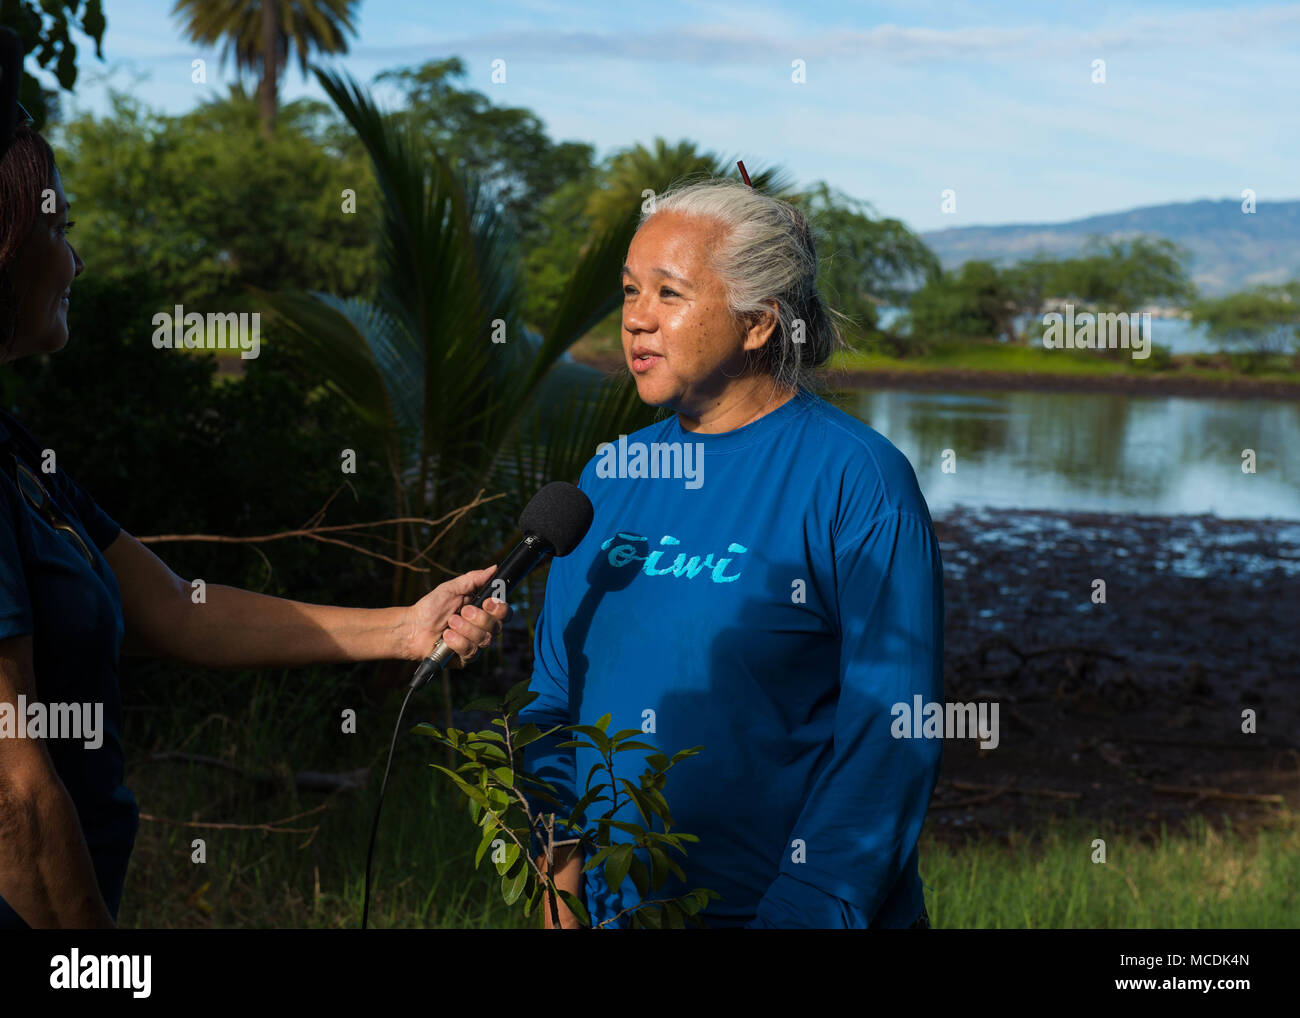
[568,877]
[46,874]
[239,628]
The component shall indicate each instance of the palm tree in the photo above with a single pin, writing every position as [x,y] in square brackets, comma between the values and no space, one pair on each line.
[630,172]
[258,34]
[451,410]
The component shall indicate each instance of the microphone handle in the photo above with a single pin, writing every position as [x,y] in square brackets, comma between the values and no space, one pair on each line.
[518,564]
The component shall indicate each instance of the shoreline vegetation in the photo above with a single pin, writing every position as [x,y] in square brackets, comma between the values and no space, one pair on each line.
[1000,366]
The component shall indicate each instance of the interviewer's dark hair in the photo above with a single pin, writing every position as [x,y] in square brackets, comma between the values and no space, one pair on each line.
[26,171]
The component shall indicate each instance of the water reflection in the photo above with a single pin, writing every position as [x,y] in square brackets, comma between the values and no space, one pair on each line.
[1094,452]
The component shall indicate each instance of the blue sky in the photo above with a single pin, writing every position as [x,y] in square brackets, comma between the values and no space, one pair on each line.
[901,100]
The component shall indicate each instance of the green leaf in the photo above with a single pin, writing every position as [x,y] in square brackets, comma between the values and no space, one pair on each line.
[604,721]
[511,854]
[426,729]
[626,733]
[591,795]
[640,877]
[596,735]
[650,916]
[526,736]
[616,869]
[518,689]
[657,870]
[684,753]
[658,761]
[512,887]
[474,793]
[659,804]
[504,775]
[673,917]
[663,865]
[531,901]
[486,736]
[598,858]
[634,745]
[577,907]
[592,773]
[487,703]
[517,699]
[634,794]
[488,837]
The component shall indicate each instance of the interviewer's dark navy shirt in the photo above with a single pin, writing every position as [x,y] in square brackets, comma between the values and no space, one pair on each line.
[73,613]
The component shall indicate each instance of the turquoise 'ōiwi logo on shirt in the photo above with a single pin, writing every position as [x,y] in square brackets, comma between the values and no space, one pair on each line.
[626,553]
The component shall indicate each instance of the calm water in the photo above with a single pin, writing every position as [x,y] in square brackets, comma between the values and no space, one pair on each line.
[1094,452]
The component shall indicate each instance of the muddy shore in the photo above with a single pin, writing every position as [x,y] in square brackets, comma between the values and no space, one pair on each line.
[1128,712]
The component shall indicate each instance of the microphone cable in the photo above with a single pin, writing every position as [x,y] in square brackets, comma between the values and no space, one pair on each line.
[374,830]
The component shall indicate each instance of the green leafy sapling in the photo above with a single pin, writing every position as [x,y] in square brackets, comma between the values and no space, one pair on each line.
[501,796]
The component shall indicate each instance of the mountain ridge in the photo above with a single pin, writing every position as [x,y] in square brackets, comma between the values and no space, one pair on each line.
[1230,250]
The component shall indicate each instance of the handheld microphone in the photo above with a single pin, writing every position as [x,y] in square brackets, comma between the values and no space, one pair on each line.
[553,523]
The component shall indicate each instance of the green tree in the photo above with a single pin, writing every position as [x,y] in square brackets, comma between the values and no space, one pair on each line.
[865,262]
[504,148]
[44,28]
[1123,275]
[259,34]
[206,205]
[1031,283]
[1265,320]
[449,389]
[629,173]
[973,303]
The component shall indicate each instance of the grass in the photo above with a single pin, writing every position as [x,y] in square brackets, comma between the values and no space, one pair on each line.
[1205,879]
[424,872]
[424,875]
[1037,360]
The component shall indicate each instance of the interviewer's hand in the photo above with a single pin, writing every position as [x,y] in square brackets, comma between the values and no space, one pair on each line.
[446,613]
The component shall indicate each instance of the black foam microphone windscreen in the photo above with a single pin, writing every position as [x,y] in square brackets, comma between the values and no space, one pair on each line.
[560,514]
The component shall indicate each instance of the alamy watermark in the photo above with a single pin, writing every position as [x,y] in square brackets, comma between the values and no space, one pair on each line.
[181,330]
[921,720]
[682,460]
[77,971]
[1100,331]
[36,720]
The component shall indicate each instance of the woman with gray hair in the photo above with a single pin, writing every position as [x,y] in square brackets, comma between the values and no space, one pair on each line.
[761,578]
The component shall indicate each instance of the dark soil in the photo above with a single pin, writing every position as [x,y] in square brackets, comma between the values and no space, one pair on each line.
[1108,703]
